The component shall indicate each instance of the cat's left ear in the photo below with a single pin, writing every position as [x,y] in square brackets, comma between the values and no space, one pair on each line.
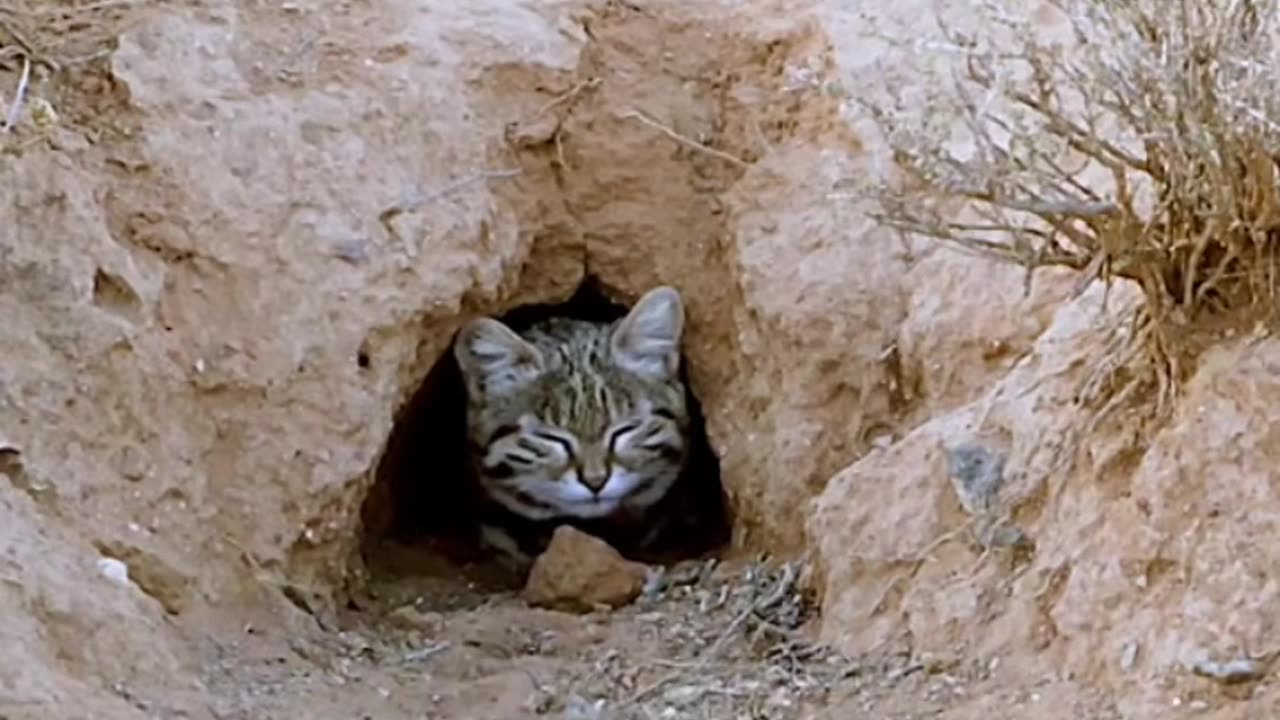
[647,341]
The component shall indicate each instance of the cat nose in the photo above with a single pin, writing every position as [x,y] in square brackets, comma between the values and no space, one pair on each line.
[595,481]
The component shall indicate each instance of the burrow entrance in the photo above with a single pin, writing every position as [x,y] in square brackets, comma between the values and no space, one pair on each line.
[420,517]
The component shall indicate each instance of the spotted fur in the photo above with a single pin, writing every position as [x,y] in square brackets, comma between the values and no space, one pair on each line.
[574,420]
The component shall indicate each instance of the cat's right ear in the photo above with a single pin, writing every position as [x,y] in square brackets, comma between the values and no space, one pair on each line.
[647,341]
[492,355]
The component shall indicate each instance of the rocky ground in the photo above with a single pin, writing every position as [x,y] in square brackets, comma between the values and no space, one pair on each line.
[703,640]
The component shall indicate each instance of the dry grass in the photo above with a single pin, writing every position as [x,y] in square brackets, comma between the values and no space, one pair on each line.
[735,650]
[707,641]
[60,33]
[1144,146]
[43,43]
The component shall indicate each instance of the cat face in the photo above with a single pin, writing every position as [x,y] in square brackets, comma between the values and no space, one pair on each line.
[577,419]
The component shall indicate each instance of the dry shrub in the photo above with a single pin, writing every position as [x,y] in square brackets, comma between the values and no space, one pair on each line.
[1143,146]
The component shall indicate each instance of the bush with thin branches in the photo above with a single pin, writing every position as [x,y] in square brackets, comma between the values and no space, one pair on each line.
[1144,144]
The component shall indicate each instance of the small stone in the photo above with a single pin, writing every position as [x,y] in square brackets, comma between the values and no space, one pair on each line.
[132,463]
[352,250]
[533,131]
[1130,656]
[578,572]
[1233,672]
[977,474]
[114,570]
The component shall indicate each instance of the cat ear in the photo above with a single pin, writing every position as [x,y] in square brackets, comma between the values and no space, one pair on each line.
[647,341]
[491,355]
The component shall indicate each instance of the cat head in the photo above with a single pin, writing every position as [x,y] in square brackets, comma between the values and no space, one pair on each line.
[574,418]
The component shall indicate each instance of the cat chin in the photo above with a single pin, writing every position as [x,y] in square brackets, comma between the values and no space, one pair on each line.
[591,509]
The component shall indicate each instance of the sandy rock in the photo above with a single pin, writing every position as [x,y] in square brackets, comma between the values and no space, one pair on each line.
[222,294]
[784,336]
[968,323]
[578,572]
[890,529]
[1139,540]
[809,343]
[73,633]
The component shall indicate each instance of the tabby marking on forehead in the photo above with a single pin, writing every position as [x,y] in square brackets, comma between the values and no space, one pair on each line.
[574,419]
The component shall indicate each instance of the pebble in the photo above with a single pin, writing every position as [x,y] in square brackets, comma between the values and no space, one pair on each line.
[1129,657]
[114,570]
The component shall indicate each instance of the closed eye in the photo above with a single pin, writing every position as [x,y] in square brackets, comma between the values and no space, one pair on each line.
[501,432]
[665,414]
[652,433]
[531,448]
[619,432]
[568,447]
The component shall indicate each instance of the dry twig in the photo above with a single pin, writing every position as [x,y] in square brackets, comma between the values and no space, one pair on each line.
[19,96]
[387,216]
[687,142]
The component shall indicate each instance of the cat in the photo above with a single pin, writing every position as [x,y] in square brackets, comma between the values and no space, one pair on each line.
[577,422]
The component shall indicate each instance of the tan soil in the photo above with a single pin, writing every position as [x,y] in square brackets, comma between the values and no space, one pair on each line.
[251,229]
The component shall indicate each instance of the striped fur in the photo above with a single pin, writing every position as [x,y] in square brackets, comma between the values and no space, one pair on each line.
[573,420]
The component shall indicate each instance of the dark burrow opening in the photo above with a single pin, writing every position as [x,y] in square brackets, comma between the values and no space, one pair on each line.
[421,516]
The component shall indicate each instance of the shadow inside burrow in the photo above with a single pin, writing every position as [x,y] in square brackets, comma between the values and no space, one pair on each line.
[420,518]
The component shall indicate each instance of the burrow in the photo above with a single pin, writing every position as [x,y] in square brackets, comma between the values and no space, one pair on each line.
[623,168]
[421,517]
